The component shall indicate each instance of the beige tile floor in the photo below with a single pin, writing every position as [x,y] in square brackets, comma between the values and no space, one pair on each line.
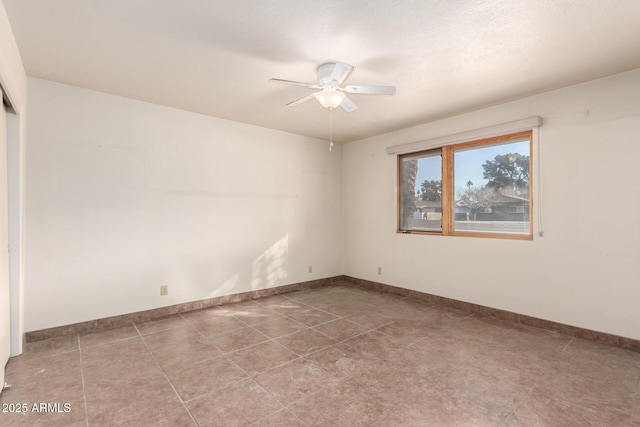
[333,356]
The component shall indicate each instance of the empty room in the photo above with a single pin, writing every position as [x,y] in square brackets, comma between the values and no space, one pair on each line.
[296,213]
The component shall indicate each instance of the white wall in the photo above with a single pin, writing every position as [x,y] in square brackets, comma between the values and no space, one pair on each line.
[125,196]
[583,272]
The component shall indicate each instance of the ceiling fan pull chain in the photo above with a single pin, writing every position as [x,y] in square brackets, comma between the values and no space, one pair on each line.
[330,129]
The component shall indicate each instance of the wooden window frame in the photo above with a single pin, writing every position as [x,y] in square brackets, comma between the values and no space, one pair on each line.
[448,191]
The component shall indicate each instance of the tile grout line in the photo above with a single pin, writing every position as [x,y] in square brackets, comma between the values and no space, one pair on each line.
[84,393]
[221,355]
[303,357]
[300,398]
[248,377]
[567,345]
[270,339]
[307,327]
[515,408]
[273,339]
[284,407]
[166,377]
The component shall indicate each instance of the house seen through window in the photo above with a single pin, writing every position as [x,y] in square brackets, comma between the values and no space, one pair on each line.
[478,188]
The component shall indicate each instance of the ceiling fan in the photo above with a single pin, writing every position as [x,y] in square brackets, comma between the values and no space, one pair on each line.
[331,76]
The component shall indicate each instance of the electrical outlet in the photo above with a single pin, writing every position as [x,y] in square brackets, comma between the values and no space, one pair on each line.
[310,269]
[164,290]
[379,270]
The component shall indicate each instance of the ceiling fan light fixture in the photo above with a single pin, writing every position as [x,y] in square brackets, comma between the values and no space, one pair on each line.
[331,76]
[330,99]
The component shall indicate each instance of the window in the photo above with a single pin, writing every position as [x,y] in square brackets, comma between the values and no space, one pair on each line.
[421,183]
[477,188]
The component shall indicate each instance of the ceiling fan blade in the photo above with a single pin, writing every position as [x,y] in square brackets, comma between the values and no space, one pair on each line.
[371,90]
[348,105]
[291,82]
[340,72]
[301,100]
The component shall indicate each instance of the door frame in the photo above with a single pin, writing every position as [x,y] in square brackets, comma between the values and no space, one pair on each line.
[15,168]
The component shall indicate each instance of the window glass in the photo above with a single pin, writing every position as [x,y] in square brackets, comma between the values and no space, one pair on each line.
[491,185]
[421,201]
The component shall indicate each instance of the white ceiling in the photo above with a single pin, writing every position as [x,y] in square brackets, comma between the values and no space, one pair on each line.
[215,56]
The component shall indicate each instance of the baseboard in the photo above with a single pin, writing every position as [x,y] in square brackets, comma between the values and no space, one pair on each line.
[142,316]
[146,315]
[573,331]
